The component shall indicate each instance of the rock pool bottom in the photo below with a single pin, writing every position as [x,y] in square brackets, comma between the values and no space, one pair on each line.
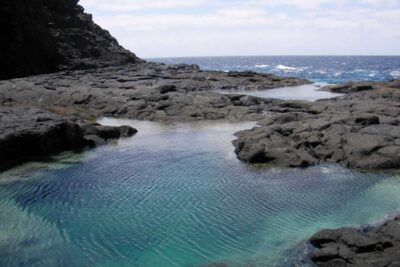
[177,196]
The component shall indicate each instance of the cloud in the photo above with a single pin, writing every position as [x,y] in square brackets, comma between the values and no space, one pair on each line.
[155,28]
[129,5]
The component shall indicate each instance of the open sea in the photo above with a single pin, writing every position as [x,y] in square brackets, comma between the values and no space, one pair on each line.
[176,195]
[328,69]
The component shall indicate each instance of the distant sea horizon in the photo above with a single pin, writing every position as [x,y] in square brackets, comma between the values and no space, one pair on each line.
[324,68]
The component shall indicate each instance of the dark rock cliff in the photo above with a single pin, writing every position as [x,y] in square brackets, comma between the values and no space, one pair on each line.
[41,36]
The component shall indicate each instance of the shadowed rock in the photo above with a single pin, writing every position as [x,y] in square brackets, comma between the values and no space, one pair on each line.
[349,247]
[44,36]
[30,133]
[353,87]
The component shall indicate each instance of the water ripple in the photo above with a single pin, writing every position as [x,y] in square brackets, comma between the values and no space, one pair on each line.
[176,200]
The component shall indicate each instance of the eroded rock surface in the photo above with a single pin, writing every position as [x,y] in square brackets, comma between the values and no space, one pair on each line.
[349,247]
[360,130]
[27,132]
[146,91]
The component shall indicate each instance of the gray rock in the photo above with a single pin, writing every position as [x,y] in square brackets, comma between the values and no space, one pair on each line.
[350,87]
[28,133]
[379,246]
[348,131]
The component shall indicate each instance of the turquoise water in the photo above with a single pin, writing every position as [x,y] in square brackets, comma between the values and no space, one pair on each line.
[175,195]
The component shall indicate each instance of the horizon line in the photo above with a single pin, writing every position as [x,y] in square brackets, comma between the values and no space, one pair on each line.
[166,57]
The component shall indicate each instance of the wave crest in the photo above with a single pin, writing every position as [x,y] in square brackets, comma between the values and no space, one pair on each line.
[395,74]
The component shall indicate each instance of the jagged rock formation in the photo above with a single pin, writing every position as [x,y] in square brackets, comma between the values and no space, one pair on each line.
[44,36]
[360,130]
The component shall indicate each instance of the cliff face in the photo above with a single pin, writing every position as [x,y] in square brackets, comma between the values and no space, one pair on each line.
[40,36]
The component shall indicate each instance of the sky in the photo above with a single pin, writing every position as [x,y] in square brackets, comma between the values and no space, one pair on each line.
[178,28]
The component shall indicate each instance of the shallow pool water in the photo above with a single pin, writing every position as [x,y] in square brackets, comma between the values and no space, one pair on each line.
[175,195]
[309,92]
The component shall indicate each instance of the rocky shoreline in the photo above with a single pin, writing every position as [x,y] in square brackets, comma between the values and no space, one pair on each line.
[92,76]
[360,130]
[144,91]
[101,78]
[364,247]
[31,133]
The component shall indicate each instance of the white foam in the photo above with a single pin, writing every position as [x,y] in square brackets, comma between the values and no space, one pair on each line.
[283,67]
[338,73]
[395,74]
[261,66]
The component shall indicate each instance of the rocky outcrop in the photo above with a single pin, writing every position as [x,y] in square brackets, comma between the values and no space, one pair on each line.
[44,36]
[44,114]
[353,87]
[360,130]
[27,133]
[349,87]
[350,247]
[146,91]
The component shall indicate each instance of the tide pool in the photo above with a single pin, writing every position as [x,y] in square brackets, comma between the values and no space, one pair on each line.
[175,195]
[307,92]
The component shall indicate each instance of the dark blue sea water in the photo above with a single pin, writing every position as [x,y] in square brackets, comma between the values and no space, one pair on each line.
[175,195]
[329,69]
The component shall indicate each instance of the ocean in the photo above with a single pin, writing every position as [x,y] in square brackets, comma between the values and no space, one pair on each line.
[327,69]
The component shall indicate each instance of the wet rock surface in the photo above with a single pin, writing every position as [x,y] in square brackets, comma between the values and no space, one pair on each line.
[359,130]
[374,247]
[28,133]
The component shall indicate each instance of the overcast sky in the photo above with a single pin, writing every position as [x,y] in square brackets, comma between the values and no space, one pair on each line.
[168,28]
